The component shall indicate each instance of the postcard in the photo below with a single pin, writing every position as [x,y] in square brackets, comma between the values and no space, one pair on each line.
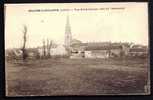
[56,49]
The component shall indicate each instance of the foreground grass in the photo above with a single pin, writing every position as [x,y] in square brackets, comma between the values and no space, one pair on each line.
[76,77]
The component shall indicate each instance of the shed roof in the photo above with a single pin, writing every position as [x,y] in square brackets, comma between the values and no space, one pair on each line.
[138,50]
[102,47]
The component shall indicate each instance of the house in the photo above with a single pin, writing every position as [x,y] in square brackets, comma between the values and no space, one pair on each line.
[120,49]
[17,53]
[59,50]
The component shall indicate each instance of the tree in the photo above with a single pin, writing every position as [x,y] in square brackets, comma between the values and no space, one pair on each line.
[44,48]
[49,46]
[24,53]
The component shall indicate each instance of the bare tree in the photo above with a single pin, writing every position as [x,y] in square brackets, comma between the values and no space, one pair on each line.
[24,53]
[44,48]
[47,46]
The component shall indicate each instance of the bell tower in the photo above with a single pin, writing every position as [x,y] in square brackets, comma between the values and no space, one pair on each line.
[68,35]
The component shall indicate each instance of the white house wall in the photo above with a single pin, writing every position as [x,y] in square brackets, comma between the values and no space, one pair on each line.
[59,50]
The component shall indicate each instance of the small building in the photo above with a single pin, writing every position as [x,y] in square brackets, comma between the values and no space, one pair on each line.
[13,53]
[32,53]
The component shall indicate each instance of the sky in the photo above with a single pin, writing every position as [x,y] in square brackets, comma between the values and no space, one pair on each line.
[97,22]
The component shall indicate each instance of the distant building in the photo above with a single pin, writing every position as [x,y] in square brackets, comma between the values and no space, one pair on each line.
[98,50]
[140,51]
[58,50]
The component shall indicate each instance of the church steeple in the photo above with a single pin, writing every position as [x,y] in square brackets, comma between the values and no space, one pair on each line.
[68,35]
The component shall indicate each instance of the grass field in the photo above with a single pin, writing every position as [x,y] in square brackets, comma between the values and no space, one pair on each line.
[76,77]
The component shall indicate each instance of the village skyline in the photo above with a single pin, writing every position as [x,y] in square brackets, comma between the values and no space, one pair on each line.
[128,25]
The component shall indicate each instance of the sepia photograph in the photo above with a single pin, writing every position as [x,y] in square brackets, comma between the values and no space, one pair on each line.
[60,49]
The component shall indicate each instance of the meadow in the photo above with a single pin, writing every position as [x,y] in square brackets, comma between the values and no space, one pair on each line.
[63,76]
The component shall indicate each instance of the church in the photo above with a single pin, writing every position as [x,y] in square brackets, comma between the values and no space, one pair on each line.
[76,49]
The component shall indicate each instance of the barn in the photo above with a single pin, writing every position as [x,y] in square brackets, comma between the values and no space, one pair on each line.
[102,51]
[139,52]
[96,50]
